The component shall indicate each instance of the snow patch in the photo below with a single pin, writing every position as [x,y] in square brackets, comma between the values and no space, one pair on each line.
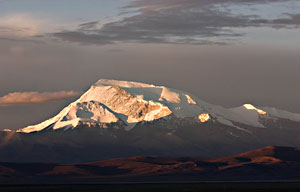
[128,84]
[168,95]
[204,117]
[92,110]
[190,100]
[229,123]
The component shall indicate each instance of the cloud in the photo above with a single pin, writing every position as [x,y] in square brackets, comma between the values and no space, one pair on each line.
[24,27]
[291,20]
[175,21]
[20,25]
[20,98]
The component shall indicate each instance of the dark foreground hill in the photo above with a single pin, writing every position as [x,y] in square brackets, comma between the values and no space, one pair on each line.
[266,164]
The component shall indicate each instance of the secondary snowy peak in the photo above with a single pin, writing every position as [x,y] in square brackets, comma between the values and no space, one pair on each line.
[251,107]
[273,112]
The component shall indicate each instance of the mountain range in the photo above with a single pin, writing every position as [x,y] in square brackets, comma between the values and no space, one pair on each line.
[116,119]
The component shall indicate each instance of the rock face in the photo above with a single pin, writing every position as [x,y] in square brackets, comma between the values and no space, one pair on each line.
[121,118]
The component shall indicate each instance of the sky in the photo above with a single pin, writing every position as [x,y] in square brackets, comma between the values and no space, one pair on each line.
[226,52]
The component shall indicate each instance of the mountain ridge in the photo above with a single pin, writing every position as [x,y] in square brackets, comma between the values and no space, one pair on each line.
[136,102]
[267,164]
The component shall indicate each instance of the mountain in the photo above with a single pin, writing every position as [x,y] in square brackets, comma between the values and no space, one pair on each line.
[122,118]
[128,103]
[269,163]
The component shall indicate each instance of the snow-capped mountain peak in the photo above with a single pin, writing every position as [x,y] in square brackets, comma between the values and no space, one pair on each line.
[110,101]
[113,101]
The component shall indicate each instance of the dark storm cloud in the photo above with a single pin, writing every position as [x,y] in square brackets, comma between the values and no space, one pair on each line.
[175,21]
